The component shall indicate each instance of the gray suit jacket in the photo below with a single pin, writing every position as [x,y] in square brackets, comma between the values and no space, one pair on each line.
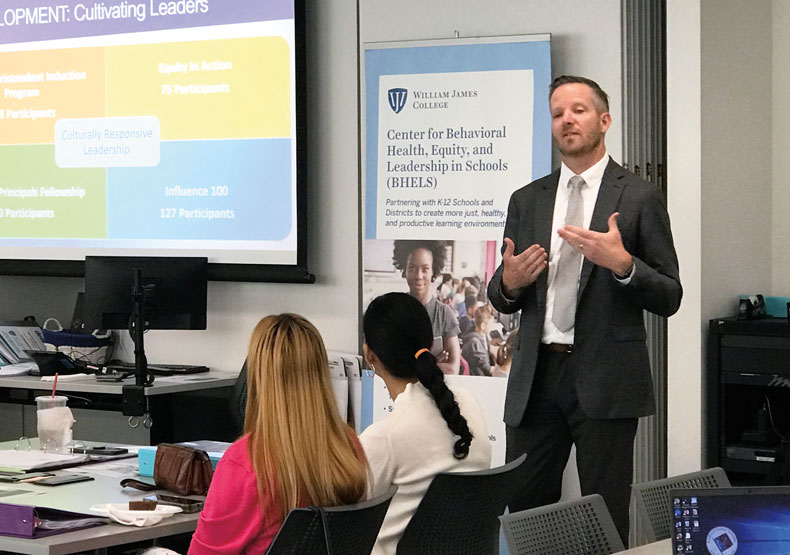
[613,378]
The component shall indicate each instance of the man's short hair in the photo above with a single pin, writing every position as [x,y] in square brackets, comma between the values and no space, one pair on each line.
[601,97]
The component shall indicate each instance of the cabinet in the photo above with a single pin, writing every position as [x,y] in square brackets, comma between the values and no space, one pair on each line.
[747,398]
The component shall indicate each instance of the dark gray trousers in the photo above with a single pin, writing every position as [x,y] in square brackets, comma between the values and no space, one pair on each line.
[552,423]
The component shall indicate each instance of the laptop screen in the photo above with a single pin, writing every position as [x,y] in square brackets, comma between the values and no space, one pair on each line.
[725,521]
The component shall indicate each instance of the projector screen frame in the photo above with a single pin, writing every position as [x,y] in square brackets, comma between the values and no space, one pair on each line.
[274,273]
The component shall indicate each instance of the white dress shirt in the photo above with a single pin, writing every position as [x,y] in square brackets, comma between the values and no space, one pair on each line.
[592,177]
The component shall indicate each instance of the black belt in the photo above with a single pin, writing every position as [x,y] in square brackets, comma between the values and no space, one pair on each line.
[557,347]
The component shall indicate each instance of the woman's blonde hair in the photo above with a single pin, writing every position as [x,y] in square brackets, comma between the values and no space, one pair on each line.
[300,448]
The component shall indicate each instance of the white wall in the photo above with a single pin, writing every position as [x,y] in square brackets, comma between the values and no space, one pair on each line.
[719,185]
[684,202]
[781,146]
[736,153]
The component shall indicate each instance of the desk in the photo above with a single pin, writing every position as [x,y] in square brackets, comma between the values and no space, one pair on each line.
[79,497]
[172,400]
[663,547]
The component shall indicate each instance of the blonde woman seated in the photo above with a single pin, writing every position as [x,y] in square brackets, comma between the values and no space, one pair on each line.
[432,429]
[296,450]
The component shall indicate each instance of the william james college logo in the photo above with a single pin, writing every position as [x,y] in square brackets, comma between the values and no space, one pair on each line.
[397,99]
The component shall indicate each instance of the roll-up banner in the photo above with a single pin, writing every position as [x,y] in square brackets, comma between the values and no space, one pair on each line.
[450,129]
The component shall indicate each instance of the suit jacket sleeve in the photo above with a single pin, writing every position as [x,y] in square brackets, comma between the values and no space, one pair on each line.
[495,295]
[655,285]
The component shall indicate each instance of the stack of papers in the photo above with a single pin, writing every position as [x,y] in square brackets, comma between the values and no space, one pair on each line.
[38,460]
[18,369]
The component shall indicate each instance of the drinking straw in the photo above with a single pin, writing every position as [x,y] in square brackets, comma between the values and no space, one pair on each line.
[55,384]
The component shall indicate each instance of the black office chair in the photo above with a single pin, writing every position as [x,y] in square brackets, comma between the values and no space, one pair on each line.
[237,402]
[578,527]
[346,530]
[652,498]
[459,512]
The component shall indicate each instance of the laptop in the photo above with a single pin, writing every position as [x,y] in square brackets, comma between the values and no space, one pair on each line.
[725,521]
[54,362]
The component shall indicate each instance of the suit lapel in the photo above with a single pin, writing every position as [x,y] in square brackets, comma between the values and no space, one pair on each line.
[544,215]
[605,205]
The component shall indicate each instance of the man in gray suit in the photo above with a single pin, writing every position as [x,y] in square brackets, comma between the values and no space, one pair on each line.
[587,249]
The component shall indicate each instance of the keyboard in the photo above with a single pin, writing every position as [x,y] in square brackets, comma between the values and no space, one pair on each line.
[162,369]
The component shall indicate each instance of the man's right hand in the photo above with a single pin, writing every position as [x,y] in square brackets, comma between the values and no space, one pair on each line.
[521,270]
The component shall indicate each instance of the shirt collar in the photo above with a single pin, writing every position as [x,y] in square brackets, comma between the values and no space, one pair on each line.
[592,175]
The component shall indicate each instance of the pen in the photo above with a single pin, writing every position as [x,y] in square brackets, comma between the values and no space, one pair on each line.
[35,478]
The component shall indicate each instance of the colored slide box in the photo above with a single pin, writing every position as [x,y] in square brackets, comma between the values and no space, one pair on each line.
[107,142]
[160,17]
[40,200]
[40,87]
[218,89]
[223,190]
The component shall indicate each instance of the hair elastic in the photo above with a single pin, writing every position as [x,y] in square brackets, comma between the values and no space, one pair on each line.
[421,351]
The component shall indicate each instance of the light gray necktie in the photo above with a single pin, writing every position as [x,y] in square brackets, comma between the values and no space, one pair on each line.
[566,282]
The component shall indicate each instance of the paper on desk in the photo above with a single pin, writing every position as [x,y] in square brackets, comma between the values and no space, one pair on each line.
[18,369]
[186,378]
[36,460]
[123,468]
[64,377]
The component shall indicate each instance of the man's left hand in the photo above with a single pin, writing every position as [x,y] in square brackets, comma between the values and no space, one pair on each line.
[603,249]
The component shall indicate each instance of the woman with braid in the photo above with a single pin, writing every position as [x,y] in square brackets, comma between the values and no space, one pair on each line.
[431,429]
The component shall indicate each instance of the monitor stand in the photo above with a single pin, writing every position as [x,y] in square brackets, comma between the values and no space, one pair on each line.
[141,375]
[133,401]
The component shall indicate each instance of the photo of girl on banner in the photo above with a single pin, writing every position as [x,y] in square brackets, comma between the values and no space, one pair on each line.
[450,279]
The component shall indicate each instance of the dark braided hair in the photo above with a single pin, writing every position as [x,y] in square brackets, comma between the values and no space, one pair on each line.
[396,327]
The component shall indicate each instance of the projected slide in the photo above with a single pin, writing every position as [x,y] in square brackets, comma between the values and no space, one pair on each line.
[158,125]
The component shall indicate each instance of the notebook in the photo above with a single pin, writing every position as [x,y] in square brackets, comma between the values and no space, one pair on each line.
[725,521]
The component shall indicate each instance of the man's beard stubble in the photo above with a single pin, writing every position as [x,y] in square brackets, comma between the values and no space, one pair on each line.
[584,148]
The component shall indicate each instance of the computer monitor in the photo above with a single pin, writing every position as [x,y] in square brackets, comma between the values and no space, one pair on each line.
[175,291]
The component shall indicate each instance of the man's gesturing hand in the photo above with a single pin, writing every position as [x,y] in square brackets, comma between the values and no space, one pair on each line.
[520,270]
[603,249]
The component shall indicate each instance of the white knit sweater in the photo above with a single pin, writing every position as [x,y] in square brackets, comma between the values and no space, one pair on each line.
[411,446]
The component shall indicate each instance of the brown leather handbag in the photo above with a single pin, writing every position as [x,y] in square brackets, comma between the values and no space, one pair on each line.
[179,469]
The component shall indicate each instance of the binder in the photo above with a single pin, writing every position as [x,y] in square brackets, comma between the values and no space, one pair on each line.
[25,521]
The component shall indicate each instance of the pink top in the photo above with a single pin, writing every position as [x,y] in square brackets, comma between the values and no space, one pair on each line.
[232,520]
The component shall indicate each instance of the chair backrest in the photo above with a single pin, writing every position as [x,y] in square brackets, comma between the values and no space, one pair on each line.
[652,498]
[237,401]
[459,512]
[579,527]
[350,529]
